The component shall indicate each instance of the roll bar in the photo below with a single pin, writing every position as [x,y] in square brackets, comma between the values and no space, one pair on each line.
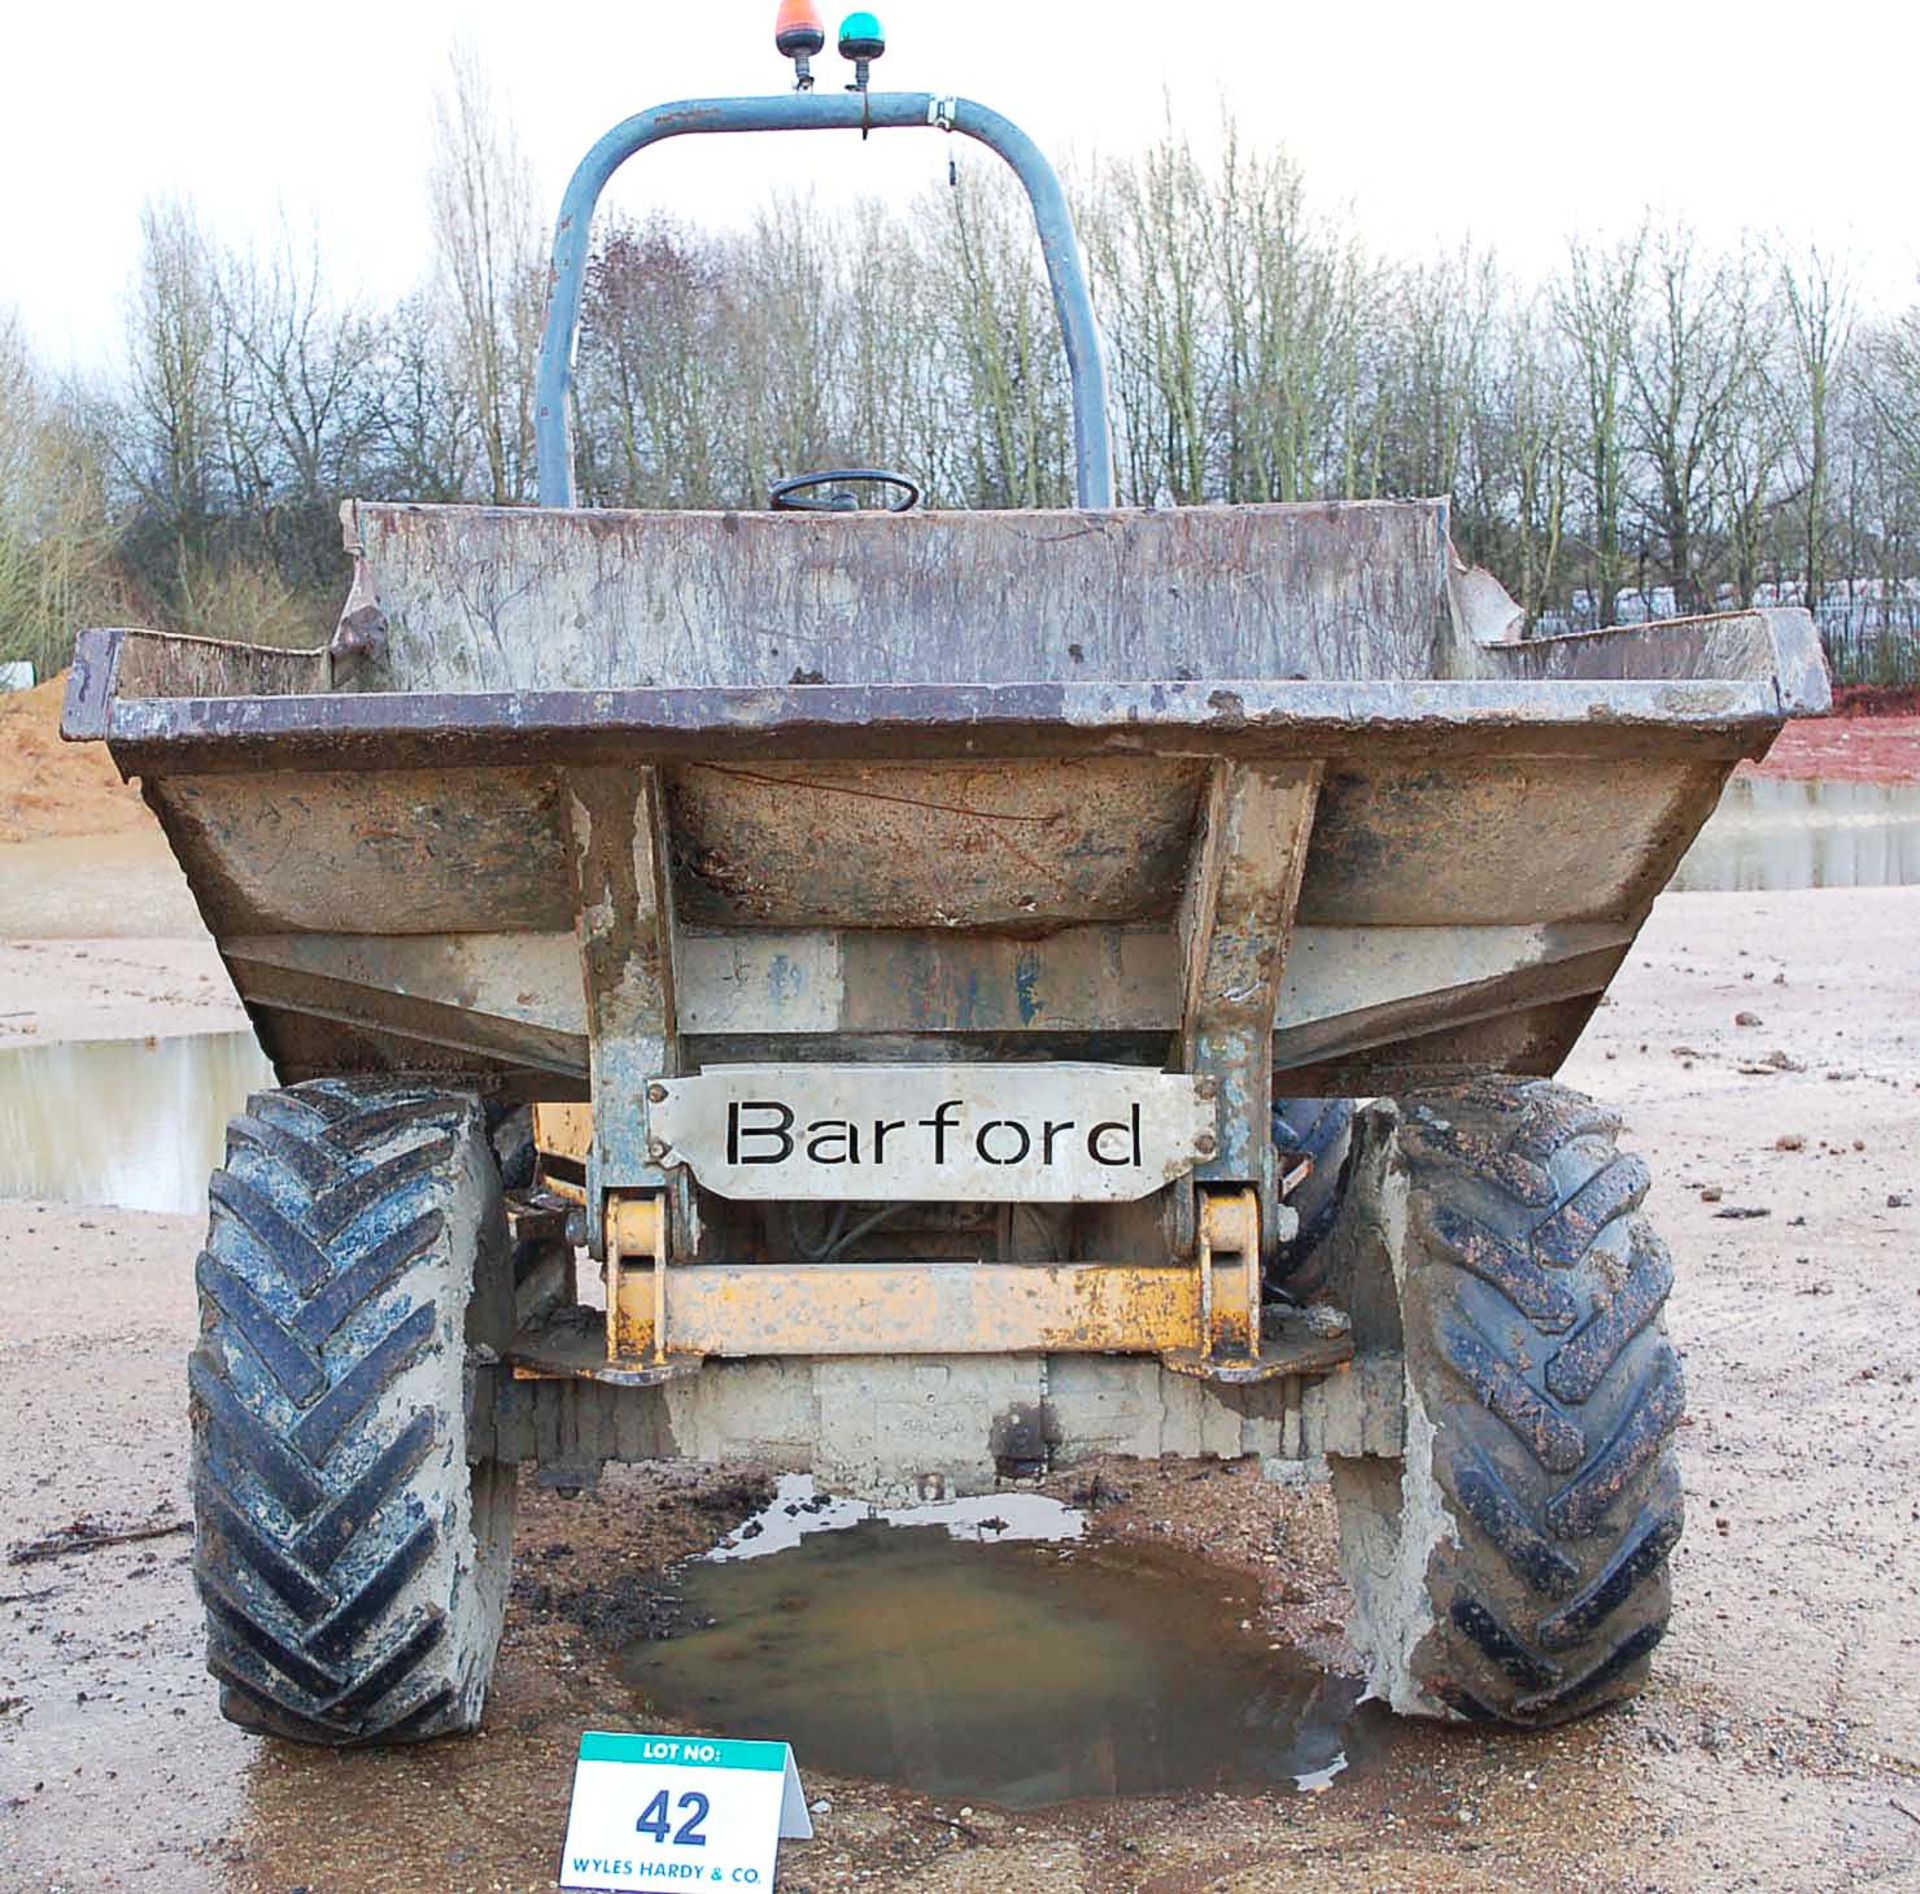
[823,111]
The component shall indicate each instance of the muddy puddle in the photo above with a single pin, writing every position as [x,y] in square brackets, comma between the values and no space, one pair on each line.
[1018,1675]
[1770,834]
[134,1123]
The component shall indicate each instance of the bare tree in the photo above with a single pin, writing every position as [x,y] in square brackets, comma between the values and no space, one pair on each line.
[1664,411]
[1006,407]
[299,414]
[655,427]
[1750,453]
[1688,374]
[1146,225]
[54,532]
[168,453]
[1521,456]
[487,262]
[1819,306]
[1596,306]
[787,361]
[1883,490]
[1289,294]
[1432,370]
[422,421]
[892,375]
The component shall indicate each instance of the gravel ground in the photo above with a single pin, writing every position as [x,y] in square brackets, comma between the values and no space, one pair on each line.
[1778,1748]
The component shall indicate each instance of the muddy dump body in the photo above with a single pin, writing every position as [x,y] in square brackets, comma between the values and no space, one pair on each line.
[948,786]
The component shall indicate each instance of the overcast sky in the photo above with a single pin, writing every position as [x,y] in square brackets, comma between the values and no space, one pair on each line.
[1515,121]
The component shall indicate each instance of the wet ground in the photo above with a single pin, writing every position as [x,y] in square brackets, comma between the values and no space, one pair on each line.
[136,1123]
[1774,833]
[94,887]
[1763,1048]
[1022,1675]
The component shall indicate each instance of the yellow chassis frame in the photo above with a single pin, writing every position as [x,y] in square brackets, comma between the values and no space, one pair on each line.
[1199,1317]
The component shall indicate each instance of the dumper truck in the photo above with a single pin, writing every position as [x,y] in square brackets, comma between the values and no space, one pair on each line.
[924,995]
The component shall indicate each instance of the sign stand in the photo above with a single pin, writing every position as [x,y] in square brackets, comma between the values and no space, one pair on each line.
[691,1811]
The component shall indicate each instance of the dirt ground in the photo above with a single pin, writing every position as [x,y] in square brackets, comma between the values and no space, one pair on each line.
[1847,749]
[1779,1747]
[50,788]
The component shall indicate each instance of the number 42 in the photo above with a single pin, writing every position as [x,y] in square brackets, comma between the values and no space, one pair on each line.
[655,1821]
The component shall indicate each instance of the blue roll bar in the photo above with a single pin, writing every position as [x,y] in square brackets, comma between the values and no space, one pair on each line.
[823,111]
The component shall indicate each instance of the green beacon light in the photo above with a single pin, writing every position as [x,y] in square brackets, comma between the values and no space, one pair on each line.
[862,39]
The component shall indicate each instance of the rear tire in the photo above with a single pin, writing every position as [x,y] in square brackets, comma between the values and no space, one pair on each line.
[352,1561]
[1320,1129]
[543,1280]
[1513,1566]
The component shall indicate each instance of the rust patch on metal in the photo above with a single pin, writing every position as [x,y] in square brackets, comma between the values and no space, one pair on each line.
[380,851]
[1459,841]
[1015,845]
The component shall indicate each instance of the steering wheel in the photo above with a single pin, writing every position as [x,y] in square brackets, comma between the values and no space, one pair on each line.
[784,492]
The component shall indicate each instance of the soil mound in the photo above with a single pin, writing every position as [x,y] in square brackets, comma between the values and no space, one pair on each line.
[50,788]
[1876,700]
[1880,748]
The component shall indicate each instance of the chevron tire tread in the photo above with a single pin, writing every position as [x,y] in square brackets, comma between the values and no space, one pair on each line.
[1540,1494]
[352,1562]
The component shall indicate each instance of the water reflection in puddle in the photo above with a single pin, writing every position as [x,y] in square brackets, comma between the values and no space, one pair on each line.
[1770,834]
[136,1123]
[1017,1674]
[798,1511]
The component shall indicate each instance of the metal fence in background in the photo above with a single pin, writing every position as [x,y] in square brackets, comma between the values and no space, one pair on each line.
[1871,648]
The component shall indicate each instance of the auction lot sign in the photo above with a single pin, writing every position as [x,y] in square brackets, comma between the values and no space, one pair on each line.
[680,1811]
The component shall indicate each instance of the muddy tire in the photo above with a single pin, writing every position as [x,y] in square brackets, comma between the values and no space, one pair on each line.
[511,1133]
[352,1562]
[1320,1129]
[1513,1566]
[542,1265]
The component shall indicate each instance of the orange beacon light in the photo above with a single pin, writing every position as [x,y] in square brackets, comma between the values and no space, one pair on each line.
[799,32]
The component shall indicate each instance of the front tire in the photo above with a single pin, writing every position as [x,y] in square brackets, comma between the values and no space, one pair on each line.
[1513,1566]
[351,1558]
